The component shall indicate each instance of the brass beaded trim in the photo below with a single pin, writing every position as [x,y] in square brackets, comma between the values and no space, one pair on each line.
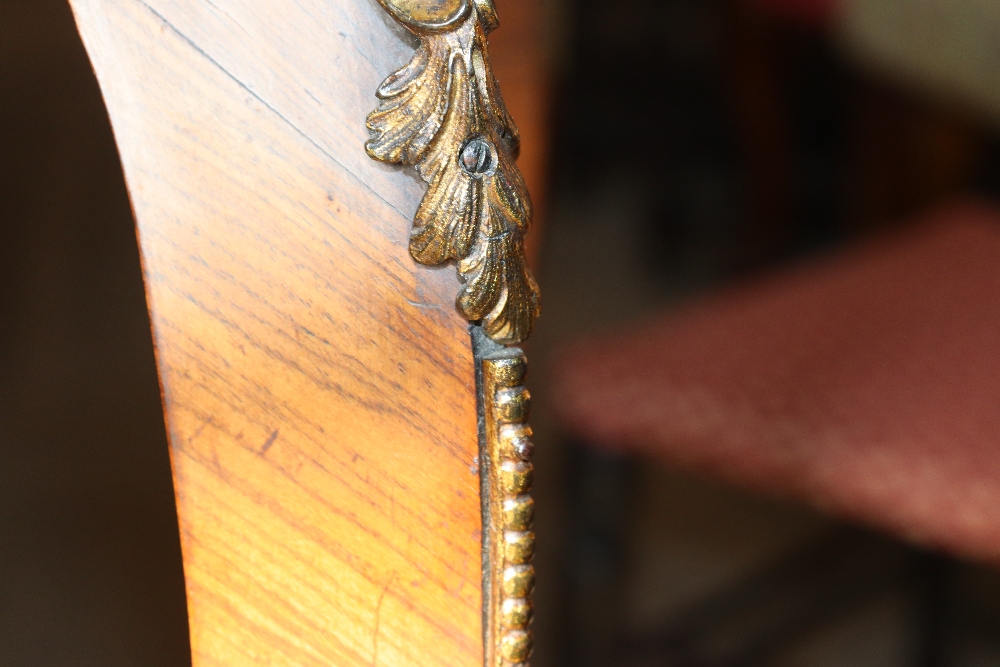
[442,113]
[509,539]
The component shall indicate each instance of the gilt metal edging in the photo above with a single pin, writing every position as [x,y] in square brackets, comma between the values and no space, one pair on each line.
[442,113]
[506,471]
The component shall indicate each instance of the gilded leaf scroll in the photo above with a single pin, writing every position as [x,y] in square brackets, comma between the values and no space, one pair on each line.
[442,114]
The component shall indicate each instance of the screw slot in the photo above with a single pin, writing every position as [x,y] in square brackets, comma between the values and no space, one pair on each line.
[477,156]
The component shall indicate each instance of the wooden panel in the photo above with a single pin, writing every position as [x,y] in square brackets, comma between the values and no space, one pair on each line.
[318,386]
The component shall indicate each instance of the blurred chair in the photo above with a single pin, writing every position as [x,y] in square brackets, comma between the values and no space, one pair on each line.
[863,384]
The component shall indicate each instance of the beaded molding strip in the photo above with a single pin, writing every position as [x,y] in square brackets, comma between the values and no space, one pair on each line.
[508,509]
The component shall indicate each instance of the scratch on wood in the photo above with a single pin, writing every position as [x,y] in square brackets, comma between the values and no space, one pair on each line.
[269,105]
[268,443]
[417,304]
[378,619]
[201,427]
[215,459]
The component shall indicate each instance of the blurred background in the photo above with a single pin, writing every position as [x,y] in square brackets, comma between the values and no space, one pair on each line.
[681,146]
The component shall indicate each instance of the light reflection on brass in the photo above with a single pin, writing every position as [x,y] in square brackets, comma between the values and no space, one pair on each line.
[515,613]
[518,512]
[509,539]
[428,14]
[518,581]
[518,546]
[515,646]
[515,477]
[513,405]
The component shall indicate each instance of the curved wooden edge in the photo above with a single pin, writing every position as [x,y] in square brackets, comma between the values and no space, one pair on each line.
[318,386]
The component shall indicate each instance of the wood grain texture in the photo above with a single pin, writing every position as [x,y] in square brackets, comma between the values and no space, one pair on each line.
[318,386]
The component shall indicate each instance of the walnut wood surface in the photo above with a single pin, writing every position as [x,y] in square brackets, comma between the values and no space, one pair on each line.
[318,385]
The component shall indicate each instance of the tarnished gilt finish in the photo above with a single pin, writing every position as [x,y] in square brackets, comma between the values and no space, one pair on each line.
[442,113]
[428,14]
[509,509]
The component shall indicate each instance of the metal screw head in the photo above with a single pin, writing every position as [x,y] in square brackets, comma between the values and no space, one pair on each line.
[477,156]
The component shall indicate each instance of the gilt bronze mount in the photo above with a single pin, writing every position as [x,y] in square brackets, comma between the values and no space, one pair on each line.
[442,114]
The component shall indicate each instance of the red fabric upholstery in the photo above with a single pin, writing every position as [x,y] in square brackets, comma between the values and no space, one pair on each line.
[867,384]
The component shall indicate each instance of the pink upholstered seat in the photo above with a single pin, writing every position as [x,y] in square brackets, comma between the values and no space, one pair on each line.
[866,384]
